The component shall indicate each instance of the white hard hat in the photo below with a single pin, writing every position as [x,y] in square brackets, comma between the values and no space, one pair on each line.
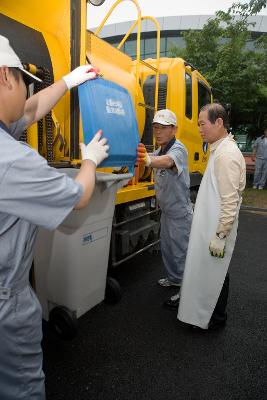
[165,117]
[9,58]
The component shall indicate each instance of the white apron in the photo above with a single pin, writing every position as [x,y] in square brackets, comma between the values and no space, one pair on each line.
[204,274]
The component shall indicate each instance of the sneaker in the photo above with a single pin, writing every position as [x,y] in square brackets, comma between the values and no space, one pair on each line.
[254,187]
[165,282]
[260,188]
[173,302]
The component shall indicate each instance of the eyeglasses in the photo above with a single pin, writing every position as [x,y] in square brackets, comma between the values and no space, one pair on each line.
[161,127]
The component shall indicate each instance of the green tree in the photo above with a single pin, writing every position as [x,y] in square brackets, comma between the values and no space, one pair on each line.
[221,53]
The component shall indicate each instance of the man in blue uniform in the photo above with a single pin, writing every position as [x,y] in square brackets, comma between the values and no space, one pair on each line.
[32,194]
[172,183]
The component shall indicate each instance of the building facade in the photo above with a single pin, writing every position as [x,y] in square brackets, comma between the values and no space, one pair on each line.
[171,33]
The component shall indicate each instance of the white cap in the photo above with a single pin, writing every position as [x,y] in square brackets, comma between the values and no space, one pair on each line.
[9,58]
[165,117]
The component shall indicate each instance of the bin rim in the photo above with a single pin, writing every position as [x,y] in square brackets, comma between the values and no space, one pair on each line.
[110,177]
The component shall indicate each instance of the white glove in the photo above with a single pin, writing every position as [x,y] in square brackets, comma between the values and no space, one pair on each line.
[80,75]
[217,247]
[96,150]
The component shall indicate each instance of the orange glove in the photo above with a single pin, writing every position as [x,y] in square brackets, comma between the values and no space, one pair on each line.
[142,156]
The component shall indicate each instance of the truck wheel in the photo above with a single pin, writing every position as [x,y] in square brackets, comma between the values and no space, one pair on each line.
[113,291]
[63,323]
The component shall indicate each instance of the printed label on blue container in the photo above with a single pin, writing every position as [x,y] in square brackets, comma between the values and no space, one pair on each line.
[114,107]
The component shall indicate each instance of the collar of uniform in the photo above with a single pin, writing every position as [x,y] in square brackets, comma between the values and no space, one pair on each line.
[214,145]
[4,127]
[167,147]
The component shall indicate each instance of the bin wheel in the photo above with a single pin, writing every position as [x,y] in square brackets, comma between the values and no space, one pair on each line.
[113,291]
[63,323]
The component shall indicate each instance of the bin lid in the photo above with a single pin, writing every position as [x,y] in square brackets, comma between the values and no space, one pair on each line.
[108,106]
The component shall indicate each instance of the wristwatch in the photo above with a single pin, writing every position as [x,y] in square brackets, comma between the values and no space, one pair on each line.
[221,235]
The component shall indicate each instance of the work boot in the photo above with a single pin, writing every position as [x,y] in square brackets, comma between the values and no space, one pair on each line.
[173,302]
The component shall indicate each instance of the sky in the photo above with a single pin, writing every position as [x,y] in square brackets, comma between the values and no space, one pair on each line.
[126,11]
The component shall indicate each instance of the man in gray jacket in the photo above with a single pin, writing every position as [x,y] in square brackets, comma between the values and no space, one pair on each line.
[260,154]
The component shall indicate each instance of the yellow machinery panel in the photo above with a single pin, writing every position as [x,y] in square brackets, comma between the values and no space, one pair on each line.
[51,26]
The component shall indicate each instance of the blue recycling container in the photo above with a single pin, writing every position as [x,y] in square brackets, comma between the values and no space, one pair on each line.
[108,106]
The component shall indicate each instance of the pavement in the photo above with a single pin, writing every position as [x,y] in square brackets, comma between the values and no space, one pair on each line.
[137,350]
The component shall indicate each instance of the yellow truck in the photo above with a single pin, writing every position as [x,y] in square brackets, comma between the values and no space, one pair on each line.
[51,39]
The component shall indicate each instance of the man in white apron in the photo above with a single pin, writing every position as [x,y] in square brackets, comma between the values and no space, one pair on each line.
[204,292]
[170,164]
[32,194]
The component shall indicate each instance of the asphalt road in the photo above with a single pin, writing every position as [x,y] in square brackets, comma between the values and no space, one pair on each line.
[137,350]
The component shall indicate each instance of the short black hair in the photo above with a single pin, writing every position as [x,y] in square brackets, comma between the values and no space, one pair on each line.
[16,72]
[215,111]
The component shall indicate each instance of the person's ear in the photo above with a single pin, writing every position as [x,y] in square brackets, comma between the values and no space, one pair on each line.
[219,122]
[5,77]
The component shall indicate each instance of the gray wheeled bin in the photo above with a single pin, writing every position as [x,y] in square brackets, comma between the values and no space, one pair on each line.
[70,263]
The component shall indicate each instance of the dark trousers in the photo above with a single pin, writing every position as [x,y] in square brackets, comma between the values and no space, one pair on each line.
[219,314]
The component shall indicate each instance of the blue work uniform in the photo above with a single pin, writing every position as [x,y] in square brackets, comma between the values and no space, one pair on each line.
[32,194]
[260,174]
[173,195]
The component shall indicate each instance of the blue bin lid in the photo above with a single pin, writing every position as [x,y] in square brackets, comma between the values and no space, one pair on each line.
[108,106]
